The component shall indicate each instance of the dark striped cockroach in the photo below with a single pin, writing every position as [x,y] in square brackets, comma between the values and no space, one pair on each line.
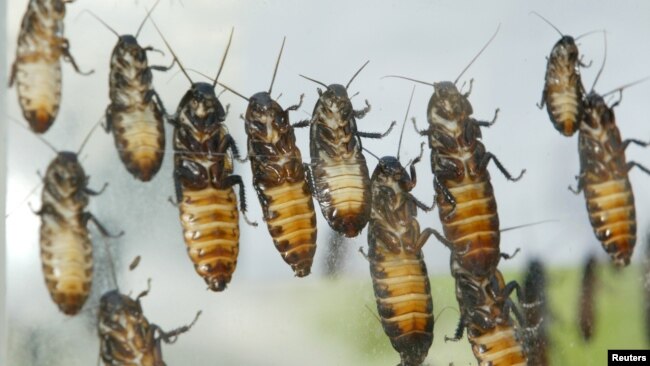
[397,267]
[485,308]
[563,89]
[126,336]
[586,310]
[535,314]
[37,68]
[66,248]
[280,179]
[459,160]
[204,181]
[135,114]
[604,176]
[338,167]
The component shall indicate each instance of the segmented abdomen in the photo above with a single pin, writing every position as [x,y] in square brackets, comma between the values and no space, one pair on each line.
[404,301]
[498,346]
[610,205]
[132,344]
[291,220]
[343,192]
[210,221]
[140,138]
[66,254]
[563,97]
[474,227]
[38,81]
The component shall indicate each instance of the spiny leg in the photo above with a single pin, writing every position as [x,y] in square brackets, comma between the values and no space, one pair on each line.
[376,135]
[65,48]
[362,113]
[632,164]
[486,160]
[236,180]
[488,123]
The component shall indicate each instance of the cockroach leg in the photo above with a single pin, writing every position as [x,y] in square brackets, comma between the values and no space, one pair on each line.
[309,177]
[174,203]
[486,160]
[490,123]
[12,76]
[377,135]
[301,124]
[632,164]
[152,49]
[583,64]
[89,217]
[507,256]
[460,329]
[171,336]
[296,106]
[65,48]
[233,180]
[421,205]
[232,145]
[362,113]
[620,99]
[364,254]
[145,292]
[163,68]
[627,143]
[471,84]
[95,193]
[426,132]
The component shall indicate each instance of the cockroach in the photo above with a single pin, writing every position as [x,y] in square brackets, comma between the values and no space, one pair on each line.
[37,68]
[604,176]
[397,267]
[135,114]
[563,89]
[485,308]
[66,248]
[338,167]
[126,336]
[586,310]
[204,180]
[535,313]
[280,179]
[459,160]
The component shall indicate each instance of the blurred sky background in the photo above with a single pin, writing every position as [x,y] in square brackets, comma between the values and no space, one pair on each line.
[328,41]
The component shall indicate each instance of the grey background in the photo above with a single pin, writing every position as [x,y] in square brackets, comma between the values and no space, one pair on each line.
[327,40]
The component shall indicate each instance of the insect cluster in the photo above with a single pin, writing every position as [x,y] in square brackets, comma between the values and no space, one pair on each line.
[500,329]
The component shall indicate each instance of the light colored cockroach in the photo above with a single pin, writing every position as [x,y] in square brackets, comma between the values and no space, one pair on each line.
[485,308]
[604,176]
[563,89]
[535,314]
[459,160]
[126,337]
[136,113]
[586,309]
[338,167]
[280,178]
[397,267]
[204,181]
[37,68]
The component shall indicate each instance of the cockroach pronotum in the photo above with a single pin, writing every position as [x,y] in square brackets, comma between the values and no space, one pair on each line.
[459,160]
[126,336]
[204,181]
[485,308]
[135,114]
[37,68]
[397,267]
[604,176]
[535,314]
[563,89]
[280,179]
[338,167]
[586,310]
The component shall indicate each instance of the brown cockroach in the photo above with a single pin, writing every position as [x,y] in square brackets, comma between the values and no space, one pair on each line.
[37,68]
[397,267]
[204,180]
[586,310]
[604,176]
[136,113]
[280,179]
[563,89]
[338,167]
[485,308]
[459,160]
[535,314]
[126,336]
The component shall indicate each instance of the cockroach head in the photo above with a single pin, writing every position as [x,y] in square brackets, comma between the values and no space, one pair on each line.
[597,112]
[128,44]
[203,104]
[336,99]
[261,105]
[66,173]
[448,103]
[565,49]
[389,168]
[113,303]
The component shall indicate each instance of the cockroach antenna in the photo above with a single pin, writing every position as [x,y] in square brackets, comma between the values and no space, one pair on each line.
[546,21]
[602,67]
[85,141]
[370,152]
[233,91]
[172,51]
[314,80]
[589,33]
[137,33]
[277,63]
[43,140]
[407,78]
[355,74]
[401,135]
[223,59]
[479,53]
[101,21]
[621,88]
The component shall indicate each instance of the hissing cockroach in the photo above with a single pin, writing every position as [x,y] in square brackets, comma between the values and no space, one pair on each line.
[135,114]
[37,68]
[485,309]
[459,160]
[204,181]
[280,179]
[563,89]
[338,167]
[535,314]
[126,337]
[66,248]
[586,310]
